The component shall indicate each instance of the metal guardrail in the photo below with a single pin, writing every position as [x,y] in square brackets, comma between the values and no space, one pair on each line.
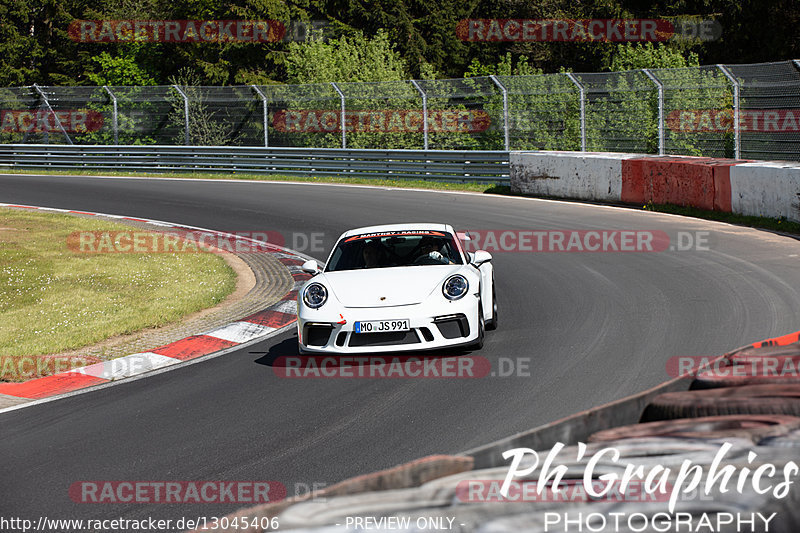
[477,166]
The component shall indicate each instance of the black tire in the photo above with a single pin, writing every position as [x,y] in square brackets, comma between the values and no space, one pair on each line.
[744,400]
[753,427]
[478,344]
[491,325]
[767,370]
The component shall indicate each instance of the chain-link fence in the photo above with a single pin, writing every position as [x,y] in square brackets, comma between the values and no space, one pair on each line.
[742,111]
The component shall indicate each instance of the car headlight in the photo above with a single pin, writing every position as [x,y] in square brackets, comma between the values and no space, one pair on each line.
[455,287]
[315,295]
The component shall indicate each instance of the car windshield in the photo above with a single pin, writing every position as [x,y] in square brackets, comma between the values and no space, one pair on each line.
[393,249]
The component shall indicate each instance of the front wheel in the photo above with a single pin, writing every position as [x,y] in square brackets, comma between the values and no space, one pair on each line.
[492,324]
[478,344]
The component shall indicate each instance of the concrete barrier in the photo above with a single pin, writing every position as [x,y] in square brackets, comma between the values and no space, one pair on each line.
[700,182]
[767,189]
[583,176]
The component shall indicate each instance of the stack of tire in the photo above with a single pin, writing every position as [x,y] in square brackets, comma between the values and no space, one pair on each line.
[447,498]
[754,394]
[758,415]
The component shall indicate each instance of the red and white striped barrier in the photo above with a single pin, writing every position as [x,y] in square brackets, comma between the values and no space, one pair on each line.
[768,188]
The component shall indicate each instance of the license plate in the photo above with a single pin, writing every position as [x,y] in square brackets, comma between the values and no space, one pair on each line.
[380,326]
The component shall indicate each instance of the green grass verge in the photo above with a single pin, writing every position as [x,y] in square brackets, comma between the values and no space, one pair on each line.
[774,224]
[53,299]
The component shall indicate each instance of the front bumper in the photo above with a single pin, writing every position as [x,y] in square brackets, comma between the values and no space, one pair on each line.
[439,325]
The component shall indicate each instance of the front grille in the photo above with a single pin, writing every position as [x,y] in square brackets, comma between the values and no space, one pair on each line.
[340,338]
[387,338]
[317,334]
[453,326]
[426,334]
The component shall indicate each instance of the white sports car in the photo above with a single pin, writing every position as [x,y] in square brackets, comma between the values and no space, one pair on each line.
[397,287]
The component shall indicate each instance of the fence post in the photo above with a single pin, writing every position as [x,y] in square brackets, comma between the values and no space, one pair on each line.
[341,120]
[185,112]
[505,109]
[266,119]
[47,103]
[582,91]
[424,111]
[737,138]
[115,122]
[660,109]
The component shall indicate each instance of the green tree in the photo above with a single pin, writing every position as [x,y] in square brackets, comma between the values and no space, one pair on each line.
[355,58]
[637,56]
[121,69]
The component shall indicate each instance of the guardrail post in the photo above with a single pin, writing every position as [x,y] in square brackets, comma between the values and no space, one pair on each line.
[660,109]
[341,120]
[55,117]
[266,119]
[737,138]
[185,112]
[582,92]
[424,111]
[115,122]
[505,109]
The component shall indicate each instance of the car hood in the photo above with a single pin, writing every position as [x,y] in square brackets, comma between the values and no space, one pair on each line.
[386,287]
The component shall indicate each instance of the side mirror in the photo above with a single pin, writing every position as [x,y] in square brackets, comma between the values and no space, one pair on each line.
[480,257]
[310,267]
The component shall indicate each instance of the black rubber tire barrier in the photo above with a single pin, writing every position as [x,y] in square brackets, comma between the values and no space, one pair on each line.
[753,370]
[748,399]
[752,353]
[792,440]
[753,427]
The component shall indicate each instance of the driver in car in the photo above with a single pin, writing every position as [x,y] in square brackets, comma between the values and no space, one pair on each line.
[371,253]
[430,253]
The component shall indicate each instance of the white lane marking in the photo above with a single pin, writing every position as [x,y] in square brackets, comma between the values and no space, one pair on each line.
[127,366]
[287,306]
[240,332]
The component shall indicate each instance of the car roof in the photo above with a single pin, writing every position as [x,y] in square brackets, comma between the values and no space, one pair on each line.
[410,226]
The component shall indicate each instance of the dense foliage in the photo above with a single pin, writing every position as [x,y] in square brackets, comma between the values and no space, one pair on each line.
[367,40]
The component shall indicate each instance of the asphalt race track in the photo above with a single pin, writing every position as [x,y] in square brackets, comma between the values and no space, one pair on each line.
[594,326]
